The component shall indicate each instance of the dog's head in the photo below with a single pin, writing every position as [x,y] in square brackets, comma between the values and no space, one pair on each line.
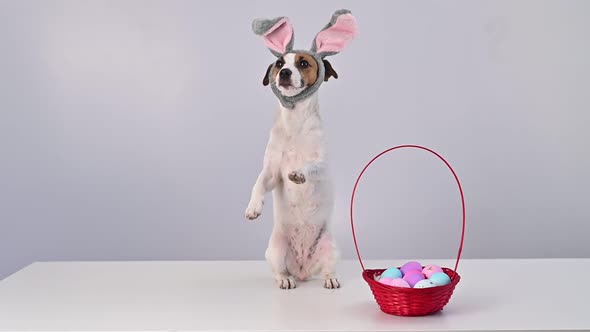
[295,71]
[298,73]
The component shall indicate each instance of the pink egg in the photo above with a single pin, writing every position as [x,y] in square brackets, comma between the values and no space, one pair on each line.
[409,266]
[413,278]
[399,282]
[431,269]
[386,281]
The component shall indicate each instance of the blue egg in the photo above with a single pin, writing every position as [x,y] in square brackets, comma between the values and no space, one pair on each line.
[392,273]
[440,279]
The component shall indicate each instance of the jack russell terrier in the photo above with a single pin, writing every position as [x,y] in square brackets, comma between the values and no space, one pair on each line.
[294,169]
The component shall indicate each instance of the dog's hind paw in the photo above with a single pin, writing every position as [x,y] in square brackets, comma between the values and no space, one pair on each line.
[286,283]
[331,283]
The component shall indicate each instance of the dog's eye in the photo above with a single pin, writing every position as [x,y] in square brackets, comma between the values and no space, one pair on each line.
[303,64]
[279,63]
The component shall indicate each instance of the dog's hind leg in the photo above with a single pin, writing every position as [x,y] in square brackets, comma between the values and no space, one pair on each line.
[327,256]
[276,256]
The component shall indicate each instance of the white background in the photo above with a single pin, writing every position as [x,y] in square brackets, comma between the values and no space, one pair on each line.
[134,130]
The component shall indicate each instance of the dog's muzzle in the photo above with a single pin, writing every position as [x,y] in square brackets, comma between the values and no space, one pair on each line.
[285,77]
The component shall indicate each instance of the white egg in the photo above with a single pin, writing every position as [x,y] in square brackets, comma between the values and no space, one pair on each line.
[424,284]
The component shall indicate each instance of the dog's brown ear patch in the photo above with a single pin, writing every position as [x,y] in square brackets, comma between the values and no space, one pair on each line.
[265,80]
[329,71]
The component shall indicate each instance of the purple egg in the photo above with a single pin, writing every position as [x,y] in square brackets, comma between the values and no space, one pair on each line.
[410,266]
[413,278]
[413,272]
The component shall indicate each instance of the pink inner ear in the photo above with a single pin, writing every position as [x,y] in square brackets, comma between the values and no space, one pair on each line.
[336,37]
[278,37]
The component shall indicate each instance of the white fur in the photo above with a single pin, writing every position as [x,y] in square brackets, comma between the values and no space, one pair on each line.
[301,244]
[297,84]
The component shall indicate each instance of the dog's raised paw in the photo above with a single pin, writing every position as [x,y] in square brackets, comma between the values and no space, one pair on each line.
[253,210]
[331,283]
[252,214]
[286,283]
[296,177]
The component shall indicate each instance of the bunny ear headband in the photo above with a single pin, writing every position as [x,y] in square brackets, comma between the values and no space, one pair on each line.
[333,38]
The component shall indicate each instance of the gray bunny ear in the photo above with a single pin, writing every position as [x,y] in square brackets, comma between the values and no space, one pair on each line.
[336,35]
[277,34]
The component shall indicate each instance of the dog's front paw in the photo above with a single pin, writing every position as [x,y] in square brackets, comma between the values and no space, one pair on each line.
[253,210]
[286,282]
[331,283]
[297,177]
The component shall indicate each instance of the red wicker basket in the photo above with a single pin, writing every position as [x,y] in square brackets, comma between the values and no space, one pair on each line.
[410,301]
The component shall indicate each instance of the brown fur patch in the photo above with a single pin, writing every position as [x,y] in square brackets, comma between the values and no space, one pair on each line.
[309,74]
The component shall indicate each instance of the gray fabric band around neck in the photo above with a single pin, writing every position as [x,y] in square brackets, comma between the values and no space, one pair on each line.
[290,101]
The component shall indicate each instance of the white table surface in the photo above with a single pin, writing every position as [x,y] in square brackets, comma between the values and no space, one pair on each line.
[241,296]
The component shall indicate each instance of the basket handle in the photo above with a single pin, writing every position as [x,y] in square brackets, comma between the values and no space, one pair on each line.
[456,179]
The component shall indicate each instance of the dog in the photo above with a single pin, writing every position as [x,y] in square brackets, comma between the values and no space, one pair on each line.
[295,164]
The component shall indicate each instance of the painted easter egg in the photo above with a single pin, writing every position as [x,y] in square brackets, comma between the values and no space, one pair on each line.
[409,266]
[399,282]
[385,281]
[424,284]
[413,272]
[392,273]
[440,279]
[429,270]
[413,278]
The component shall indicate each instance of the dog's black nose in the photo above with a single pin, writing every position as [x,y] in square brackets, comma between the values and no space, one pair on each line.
[285,73]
